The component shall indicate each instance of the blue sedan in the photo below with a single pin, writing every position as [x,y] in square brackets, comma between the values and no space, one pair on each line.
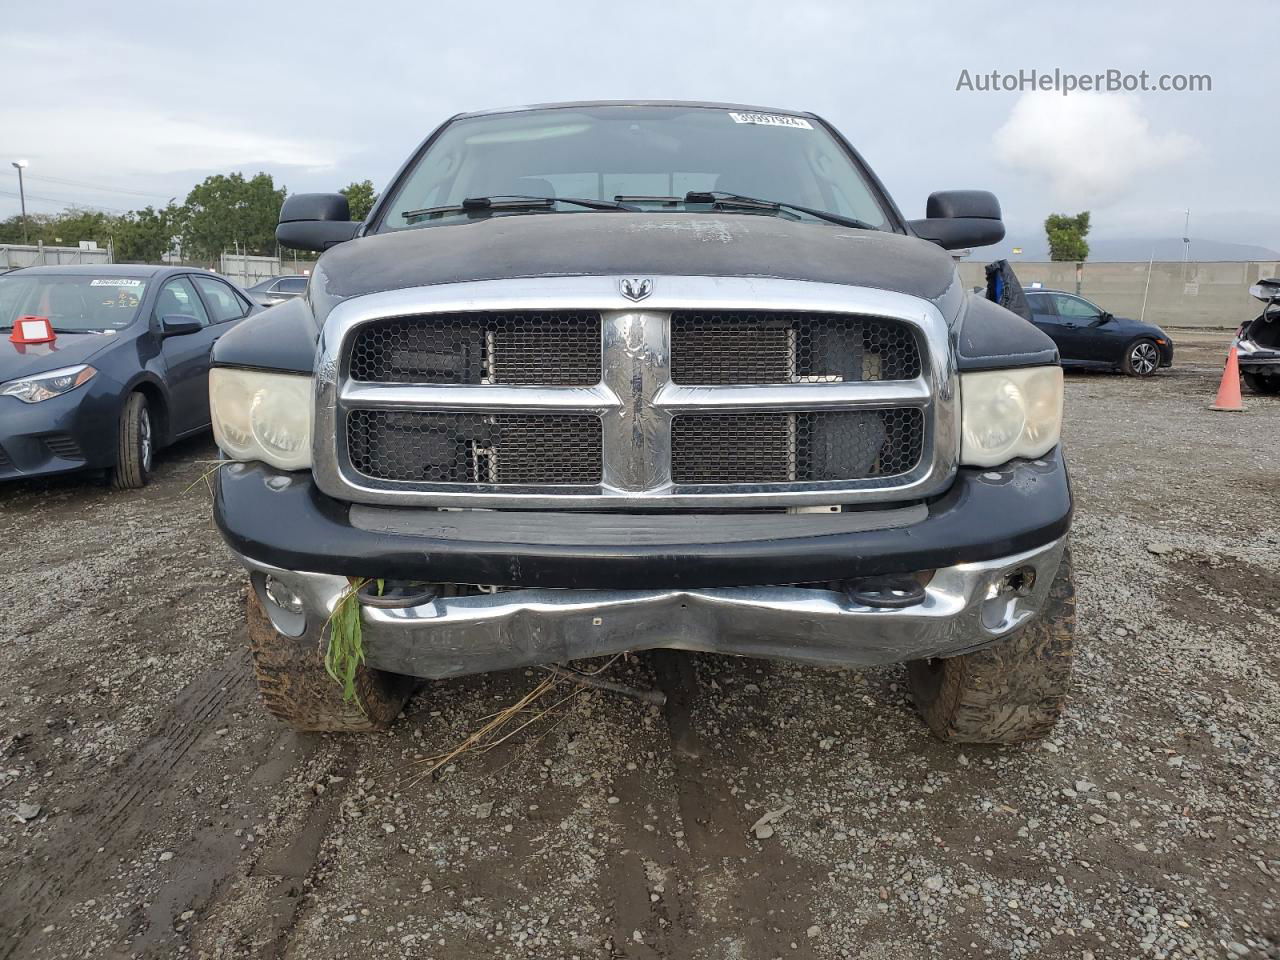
[1088,336]
[126,373]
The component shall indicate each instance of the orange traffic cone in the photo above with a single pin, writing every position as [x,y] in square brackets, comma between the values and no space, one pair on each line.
[1229,389]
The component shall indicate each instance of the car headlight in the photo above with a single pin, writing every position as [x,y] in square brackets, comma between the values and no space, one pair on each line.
[43,386]
[1009,413]
[262,416]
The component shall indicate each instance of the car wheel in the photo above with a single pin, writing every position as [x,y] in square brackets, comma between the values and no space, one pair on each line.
[1141,358]
[135,446]
[1010,691]
[296,688]
[1260,384]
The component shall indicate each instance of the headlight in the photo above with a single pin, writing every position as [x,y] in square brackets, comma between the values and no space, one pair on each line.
[1009,413]
[45,385]
[262,416]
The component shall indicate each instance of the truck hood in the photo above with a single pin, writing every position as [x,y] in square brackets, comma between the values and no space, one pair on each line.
[630,244]
[18,360]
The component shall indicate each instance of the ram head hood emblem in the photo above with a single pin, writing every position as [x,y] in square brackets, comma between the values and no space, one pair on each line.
[635,288]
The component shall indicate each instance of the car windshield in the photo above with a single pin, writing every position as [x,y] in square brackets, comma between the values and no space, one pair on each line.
[648,156]
[73,304]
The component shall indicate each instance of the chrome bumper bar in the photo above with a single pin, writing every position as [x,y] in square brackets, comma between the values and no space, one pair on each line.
[964,607]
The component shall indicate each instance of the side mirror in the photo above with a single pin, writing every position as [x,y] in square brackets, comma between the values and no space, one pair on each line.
[179,326]
[955,219]
[315,221]
[1104,317]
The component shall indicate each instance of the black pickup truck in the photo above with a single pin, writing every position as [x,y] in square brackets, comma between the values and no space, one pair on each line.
[605,377]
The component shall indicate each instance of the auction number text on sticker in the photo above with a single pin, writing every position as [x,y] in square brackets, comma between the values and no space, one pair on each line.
[771,120]
[115,282]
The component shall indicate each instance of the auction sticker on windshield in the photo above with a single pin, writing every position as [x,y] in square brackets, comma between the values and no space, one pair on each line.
[115,282]
[771,120]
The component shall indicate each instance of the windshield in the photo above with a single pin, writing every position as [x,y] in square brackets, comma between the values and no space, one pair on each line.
[649,156]
[73,304]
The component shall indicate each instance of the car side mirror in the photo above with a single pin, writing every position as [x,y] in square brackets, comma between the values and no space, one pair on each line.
[955,219]
[315,221]
[1102,318]
[179,326]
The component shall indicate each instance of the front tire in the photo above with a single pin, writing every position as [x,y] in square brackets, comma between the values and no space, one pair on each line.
[135,445]
[1260,384]
[1011,691]
[296,689]
[1141,358]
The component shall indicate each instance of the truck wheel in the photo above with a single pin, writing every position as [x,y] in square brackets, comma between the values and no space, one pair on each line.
[135,445]
[1141,358]
[1260,384]
[1010,691]
[296,689]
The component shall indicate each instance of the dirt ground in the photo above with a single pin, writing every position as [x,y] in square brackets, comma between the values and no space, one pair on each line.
[148,807]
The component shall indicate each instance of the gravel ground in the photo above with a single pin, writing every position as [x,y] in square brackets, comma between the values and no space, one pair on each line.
[151,809]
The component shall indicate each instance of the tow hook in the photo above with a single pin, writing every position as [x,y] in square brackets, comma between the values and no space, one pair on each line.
[887,592]
[396,594]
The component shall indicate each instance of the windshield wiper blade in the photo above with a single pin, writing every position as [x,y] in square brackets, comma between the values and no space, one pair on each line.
[510,203]
[722,199]
[576,201]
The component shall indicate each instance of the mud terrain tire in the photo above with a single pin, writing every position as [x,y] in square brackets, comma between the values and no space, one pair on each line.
[296,689]
[1011,691]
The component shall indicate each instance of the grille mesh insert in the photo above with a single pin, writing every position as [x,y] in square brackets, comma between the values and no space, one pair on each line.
[61,445]
[728,347]
[795,447]
[546,347]
[526,449]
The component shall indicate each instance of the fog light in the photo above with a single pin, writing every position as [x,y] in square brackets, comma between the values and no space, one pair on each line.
[1015,583]
[1002,609]
[282,596]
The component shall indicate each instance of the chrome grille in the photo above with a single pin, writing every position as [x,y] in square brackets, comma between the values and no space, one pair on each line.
[415,447]
[750,346]
[558,392]
[795,447]
[545,347]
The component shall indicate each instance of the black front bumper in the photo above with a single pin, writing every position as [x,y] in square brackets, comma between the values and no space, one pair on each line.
[283,520]
[1260,360]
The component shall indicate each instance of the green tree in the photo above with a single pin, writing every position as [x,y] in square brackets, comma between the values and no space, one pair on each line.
[38,228]
[1067,236]
[227,210]
[146,235]
[76,224]
[361,196]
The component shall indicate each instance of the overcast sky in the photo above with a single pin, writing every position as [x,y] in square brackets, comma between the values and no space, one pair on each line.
[132,103]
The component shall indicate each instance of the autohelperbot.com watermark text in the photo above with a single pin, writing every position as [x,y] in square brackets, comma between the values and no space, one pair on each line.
[1067,82]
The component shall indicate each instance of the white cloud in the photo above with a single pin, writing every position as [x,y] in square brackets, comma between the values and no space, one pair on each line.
[133,140]
[1089,147]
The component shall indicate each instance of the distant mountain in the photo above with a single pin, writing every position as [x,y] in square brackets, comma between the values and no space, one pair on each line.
[1131,249]
[1170,248]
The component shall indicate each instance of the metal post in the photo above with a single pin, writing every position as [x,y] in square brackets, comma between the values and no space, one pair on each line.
[22,196]
[1147,289]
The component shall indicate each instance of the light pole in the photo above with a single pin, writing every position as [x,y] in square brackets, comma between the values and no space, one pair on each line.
[21,165]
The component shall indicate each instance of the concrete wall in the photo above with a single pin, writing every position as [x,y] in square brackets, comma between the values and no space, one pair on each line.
[13,255]
[247,270]
[1195,294]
